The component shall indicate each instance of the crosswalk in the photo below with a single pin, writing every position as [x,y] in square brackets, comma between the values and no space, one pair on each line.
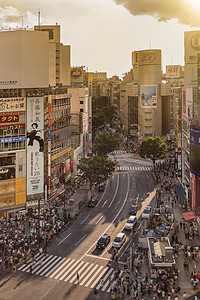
[118,152]
[90,274]
[128,168]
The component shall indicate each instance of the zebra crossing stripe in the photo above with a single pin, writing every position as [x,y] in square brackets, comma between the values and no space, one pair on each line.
[94,275]
[105,277]
[80,270]
[89,274]
[99,277]
[52,269]
[68,270]
[59,268]
[46,265]
[74,271]
[120,274]
[39,262]
[25,265]
[85,272]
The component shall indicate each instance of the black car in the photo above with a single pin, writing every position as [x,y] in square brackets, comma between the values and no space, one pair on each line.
[133,210]
[103,241]
[92,203]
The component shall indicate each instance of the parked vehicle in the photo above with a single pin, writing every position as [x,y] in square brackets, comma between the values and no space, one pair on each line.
[103,241]
[133,210]
[102,186]
[130,223]
[119,240]
[146,213]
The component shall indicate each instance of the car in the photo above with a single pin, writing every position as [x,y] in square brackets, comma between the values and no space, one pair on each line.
[92,203]
[119,240]
[130,223]
[146,213]
[102,186]
[103,241]
[133,210]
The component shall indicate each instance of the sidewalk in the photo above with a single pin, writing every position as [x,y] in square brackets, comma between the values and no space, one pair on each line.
[184,280]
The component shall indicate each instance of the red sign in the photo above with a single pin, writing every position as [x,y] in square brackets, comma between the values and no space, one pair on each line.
[90,125]
[67,166]
[76,73]
[16,126]
[9,119]
[179,151]
[148,58]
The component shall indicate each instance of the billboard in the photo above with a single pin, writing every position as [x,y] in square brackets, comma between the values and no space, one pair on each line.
[12,104]
[195,150]
[35,145]
[192,46]
[184,102]
[150,57]
[173,71]
[148,96]
[76,74]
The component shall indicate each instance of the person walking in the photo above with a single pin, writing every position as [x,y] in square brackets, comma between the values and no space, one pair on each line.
[77,277]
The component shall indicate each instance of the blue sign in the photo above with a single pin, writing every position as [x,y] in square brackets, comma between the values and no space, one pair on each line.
[15,139]
[49,134]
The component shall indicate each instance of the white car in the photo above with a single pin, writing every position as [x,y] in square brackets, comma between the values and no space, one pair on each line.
[119,240]
[130,223]
[146,213]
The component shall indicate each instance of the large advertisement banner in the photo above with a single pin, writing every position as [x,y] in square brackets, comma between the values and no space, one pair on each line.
[195,150]
[12,104]
[35,145]
[148,96]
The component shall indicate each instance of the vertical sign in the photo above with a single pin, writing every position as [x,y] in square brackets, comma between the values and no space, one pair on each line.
[49,145]
[90,123]
[35,145]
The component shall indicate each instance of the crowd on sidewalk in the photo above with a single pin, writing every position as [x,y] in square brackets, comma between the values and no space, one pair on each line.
[164,284]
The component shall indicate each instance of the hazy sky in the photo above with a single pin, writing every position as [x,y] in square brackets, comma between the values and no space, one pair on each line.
[103,33]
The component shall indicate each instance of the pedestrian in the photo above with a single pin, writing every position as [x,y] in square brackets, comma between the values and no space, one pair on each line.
[184,295]
[77,277]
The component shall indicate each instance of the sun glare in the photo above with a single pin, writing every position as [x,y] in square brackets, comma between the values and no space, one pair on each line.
[194,3]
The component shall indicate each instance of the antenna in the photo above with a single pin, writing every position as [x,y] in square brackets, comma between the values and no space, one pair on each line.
[39,19]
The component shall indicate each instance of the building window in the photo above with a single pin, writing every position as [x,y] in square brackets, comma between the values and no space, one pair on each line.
[20,168]
[81,110]
[81,102]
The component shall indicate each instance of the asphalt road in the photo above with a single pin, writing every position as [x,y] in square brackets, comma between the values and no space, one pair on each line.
[54,276]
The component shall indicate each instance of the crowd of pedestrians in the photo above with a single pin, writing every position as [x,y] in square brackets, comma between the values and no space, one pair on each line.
[22,234]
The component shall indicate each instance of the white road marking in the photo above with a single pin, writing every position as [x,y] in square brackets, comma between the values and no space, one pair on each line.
[98,220]
[80,240]
[64,239]
[111,223]
[85,219]
[104,203]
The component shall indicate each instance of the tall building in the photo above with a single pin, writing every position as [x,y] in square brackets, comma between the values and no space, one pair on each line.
[191,119]
[59,56]
[140,95]
[35,144]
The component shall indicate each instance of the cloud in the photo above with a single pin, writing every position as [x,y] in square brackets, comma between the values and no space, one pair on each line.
[163,10]
[9,14]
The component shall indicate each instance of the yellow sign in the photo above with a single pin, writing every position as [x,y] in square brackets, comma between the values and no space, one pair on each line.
[60,154]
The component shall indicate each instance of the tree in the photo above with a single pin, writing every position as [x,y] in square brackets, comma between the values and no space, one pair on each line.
[153,148]
[96,169]
[105,143]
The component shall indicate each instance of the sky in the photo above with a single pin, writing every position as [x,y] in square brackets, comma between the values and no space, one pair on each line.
[103,33]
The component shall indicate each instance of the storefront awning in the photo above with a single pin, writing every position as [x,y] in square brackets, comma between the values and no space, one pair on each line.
[180,192]
[189,215]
